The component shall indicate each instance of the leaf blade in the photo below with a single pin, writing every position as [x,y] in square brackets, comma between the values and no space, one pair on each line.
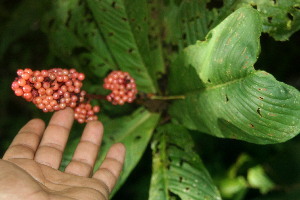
[243,104]
[112,19]
[281,19]
[134,132]
[177,169]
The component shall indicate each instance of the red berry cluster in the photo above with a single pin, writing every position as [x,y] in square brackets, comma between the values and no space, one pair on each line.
[50,90]
[123,87]
[85,112]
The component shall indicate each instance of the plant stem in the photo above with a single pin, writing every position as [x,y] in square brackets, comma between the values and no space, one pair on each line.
[95,96]
[167,97]
[152,97]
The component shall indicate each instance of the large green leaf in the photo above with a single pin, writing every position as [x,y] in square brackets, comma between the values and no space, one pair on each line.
[177,169]
[186,22]
[104,35]
[133,131]
[75,38]
[281,18]
[231,99]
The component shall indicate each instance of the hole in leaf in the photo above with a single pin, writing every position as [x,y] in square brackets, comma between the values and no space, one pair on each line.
[180,179]
[168,166]
[192,19]
[251,125]
[214,4]
[124,19]
[181,162]
[261,98]
[254,6]
[187,189]
[111,138]
[290,16]
[113,4]
[270,19]
[138,137]
[208,80]
[274,1]
[227,99]
[130,50]
[258,111]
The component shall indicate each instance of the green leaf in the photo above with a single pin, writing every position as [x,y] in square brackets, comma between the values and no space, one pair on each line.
[157,65]
[75,38]
[186,22]
[280,18]
[232,187]
[257,178]
[113,20]
[134,131]
[102,36]
[177,169]
[231,99]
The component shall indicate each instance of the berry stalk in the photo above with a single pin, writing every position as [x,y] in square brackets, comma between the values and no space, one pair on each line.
[154,97]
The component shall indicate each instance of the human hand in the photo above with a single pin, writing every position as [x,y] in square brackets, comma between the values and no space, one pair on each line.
[29,168]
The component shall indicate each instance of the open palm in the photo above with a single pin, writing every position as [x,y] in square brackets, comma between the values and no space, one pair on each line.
[29,168]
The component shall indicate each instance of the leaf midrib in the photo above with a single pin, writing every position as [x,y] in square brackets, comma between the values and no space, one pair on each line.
[220,85]
[139,52]
[152,86]
[135,125]
[164,163]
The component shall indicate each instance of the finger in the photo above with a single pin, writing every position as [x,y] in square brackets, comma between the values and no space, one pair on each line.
[26,141]
[112,165]
[86,152]
[55,138]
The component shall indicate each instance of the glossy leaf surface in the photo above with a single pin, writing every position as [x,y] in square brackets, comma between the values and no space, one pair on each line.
[229,98]
[177,169]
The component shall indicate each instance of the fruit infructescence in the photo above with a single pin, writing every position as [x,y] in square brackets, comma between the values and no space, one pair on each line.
[123,87]
[55,89]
